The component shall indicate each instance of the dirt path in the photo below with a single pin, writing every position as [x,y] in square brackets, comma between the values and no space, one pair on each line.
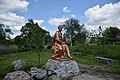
[93,72]
[88,77]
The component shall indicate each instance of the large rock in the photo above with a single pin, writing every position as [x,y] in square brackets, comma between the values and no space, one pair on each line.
[38,73]
[18,64]
[17,75]
[62,68]
[54,77]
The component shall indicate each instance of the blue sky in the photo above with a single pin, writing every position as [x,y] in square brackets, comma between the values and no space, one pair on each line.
[50,13]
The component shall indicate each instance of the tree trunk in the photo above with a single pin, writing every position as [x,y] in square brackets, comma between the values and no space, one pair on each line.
[70,40]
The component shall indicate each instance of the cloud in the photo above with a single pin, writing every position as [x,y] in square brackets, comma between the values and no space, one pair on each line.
[16,30]
[107,15]
[57,21]
[15,34]
[93,27]
[11,19]
[40,22]
[73,16]
[10,5]
[65,9]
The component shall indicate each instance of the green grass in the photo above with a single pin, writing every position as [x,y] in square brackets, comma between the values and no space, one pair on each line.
[85,59]
[31,60]
[89,53]
[110,51]
[89,59]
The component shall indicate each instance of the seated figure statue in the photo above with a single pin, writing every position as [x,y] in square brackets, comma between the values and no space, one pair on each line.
[59,48]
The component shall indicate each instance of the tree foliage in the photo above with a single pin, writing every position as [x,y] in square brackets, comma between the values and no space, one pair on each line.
[110,34]
[5,32]
[73,31]
[32,36]
[2,33]
[80,37]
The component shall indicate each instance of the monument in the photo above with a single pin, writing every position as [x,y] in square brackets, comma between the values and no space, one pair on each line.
[59,66]
[61,63]
[59,48]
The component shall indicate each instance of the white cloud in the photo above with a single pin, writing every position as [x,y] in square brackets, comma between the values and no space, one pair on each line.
[107,15]
[57,21]
[73,15]
[94,27]
[11,19]
[14,21]
[8,5]
[65,9]
[15,34]
[16,30]
[40,22]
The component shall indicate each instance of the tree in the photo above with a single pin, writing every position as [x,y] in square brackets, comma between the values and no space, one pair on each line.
[95,36]
[33,36]
[80,37]
[2,33]
[110,34]
[5,32]
[72,27]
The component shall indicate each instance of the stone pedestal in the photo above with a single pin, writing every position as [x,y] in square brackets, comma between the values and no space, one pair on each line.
[62,68]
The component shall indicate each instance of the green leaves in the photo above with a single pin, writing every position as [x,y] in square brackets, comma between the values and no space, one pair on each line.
[5,32]
[110,34]
[73,30]
[33,36]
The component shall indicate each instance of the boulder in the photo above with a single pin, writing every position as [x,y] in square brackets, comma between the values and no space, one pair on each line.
[17,75]
[38,73]
[18,64]
[54,77]
[62,68]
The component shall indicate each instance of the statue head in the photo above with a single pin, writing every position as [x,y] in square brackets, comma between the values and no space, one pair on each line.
[60,27]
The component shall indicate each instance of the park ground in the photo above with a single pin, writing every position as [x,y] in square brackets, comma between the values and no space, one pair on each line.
[86,60]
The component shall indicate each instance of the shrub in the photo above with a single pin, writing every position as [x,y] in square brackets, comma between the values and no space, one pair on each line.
[8,49]
[110,51]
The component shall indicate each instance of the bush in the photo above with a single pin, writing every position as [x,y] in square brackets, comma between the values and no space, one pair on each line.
[8,49]
[109,51]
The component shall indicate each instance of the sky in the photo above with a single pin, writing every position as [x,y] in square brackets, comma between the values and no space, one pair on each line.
[51,13]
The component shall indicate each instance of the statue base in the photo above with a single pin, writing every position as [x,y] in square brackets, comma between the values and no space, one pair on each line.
[62,69]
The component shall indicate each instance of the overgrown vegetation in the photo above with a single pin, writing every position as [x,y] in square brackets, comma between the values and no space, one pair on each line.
[109,51]
[8,49]
[31,60]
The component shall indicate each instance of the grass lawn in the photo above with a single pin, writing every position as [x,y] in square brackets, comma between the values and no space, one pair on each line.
[89,59]
[31,60]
